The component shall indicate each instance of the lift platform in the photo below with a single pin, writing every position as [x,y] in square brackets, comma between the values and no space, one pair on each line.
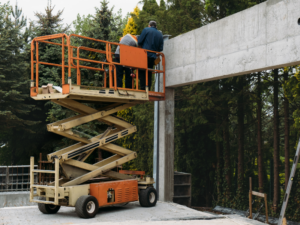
[77,183]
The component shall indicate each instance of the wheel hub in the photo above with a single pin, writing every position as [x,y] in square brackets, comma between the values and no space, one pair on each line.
[52,207]
[151,197]
[90,207]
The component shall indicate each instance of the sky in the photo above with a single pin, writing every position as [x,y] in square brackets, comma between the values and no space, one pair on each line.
[73,7]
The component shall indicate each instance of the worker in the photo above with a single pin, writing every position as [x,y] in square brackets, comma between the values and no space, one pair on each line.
[150,39]
[129,40]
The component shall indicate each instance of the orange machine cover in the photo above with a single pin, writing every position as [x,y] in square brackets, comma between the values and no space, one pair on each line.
[125,191]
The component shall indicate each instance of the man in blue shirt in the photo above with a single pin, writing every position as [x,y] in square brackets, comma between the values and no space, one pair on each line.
[150,39]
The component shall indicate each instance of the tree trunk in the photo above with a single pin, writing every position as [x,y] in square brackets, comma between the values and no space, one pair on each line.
[276,143]
[227,166]
[218,167]
[286,136]
[240,114]
[259,138]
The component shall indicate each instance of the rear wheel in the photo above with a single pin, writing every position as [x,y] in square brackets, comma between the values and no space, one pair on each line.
[87,206]
[48,208]
[148,197]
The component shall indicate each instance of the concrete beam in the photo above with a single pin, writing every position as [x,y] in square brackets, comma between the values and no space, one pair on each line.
[266,36]
[166,147]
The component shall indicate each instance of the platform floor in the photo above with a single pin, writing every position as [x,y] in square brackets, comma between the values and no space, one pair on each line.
[131,214]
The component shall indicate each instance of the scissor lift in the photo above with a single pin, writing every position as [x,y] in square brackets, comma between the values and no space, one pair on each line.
[77,183]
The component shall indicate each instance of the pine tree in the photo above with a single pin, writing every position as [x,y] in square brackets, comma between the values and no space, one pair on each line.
[14,83]
[49,23]
[240,116]
[276,143]
[286,134]
[42,141]
[148,12]
[218,9]
[185,16]
[131,26]
[162,5]
[82,25]
[105,26]
[260,156]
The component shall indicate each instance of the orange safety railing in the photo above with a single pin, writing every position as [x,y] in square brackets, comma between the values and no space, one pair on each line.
[135,58]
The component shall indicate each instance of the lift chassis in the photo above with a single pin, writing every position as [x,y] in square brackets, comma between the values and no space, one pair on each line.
[77,183]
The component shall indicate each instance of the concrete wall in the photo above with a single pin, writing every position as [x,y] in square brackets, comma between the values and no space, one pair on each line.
[262,37]
[11,199]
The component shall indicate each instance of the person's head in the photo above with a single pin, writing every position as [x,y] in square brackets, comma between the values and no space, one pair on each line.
[152,23]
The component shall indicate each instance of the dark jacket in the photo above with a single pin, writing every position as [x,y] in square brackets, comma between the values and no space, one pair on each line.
[151,39]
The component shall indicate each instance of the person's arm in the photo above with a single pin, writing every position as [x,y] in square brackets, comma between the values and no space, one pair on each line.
[161,46]
[141,38]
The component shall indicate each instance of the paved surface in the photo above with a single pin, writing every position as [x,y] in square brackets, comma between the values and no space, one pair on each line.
[131,214]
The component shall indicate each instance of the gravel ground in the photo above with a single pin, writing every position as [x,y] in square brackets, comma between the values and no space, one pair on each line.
[131,214]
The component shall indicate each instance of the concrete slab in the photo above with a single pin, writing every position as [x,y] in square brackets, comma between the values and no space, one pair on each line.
[265,36]
[11,199]
[133,214]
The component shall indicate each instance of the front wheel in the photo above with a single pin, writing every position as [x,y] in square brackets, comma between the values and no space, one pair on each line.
[148,197]
[87,206]
[48,208]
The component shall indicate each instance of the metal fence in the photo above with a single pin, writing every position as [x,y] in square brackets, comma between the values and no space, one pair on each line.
[15,178]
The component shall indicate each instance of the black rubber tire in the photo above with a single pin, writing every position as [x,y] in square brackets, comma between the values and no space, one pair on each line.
[81,206]
[48,208]
[148,197]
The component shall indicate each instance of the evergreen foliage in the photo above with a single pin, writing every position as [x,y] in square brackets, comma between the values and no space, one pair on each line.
[131,26]
[82,25]
[103,25]
[48,23]
[174,18]
[218,9]
[14,107]
[106,25]
[148,12]
[185,16]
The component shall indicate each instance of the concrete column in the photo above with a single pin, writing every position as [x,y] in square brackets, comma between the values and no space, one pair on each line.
[156,134]
[166,147]
[158,87]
